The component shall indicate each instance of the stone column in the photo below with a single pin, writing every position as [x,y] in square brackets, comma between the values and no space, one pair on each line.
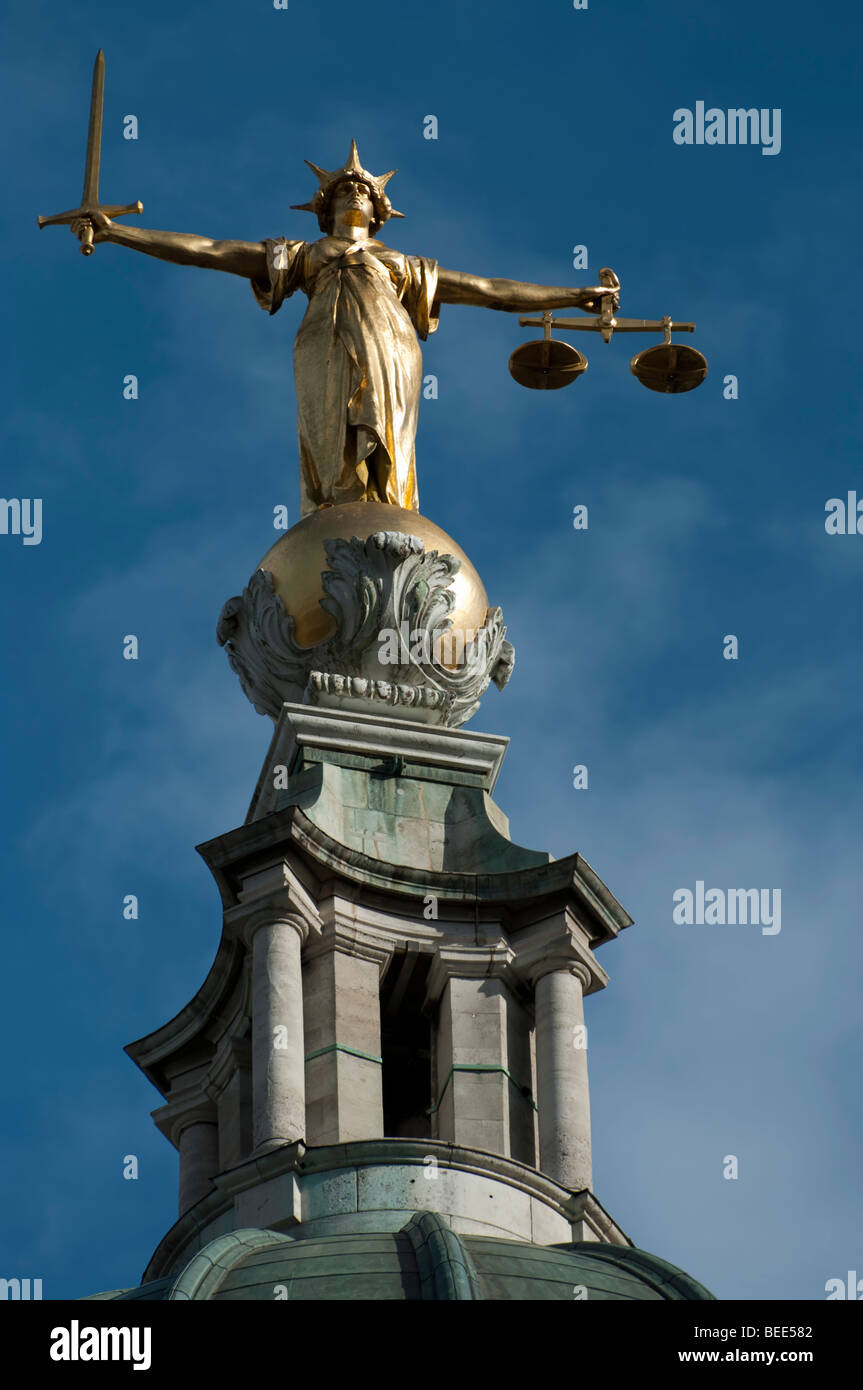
[561,1065]
[278,1083]
[199,1161]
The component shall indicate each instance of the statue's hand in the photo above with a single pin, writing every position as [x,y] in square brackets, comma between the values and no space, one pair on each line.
[100,223]
[593,297]
[594,304]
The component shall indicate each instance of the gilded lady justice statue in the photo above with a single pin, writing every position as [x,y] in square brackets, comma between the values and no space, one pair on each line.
[362,561]
[357,363]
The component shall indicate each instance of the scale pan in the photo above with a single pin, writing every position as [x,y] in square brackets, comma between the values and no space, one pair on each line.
[546,364]
[669,367]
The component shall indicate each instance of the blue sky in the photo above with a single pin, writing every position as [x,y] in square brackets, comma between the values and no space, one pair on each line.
[706,518]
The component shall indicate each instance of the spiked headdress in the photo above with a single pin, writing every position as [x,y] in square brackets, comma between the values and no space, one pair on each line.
[328,180]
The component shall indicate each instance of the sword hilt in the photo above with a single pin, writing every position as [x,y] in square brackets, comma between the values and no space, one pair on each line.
[87,236]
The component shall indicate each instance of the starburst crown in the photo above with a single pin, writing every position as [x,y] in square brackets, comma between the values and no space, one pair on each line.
[328,180]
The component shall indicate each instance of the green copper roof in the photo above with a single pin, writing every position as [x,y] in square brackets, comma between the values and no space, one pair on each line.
[425,1260]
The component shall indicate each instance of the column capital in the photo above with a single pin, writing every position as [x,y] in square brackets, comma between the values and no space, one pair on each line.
[557,944]
[188,1108]
[352,939]
[276,892]
[274,913]
[494,960]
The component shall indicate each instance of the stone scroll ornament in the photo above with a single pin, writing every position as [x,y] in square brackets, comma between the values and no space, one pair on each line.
[387,594]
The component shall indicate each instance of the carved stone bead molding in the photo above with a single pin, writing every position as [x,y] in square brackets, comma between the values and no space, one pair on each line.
[387,583]
[324,687]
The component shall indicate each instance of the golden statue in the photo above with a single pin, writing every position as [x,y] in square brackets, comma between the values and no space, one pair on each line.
[363,563]
[357,362]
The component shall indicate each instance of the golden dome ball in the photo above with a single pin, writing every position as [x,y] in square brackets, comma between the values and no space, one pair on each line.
[298,559]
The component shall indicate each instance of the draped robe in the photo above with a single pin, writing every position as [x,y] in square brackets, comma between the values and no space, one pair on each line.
[357,364]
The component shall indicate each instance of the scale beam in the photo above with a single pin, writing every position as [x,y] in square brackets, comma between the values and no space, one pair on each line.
[596,325]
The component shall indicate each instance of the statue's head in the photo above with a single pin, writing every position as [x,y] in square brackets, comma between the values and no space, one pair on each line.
[349,193]
[350,202]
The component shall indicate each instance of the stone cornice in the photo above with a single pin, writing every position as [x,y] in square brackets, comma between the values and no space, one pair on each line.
[154,1048]
[376,736]
[240,855]
[268,852]
[525,893]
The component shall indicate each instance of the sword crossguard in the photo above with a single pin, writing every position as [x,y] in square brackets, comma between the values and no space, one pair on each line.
[87,238]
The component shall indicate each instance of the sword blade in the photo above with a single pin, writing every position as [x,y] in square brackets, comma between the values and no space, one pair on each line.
[90,196]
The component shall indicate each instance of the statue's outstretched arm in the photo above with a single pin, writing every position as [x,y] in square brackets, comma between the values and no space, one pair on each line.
[246,258]
[457,287]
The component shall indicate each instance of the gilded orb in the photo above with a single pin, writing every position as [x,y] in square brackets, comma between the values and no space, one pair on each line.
[297,561]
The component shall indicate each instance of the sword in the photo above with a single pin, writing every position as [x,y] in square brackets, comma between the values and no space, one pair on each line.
[90,196]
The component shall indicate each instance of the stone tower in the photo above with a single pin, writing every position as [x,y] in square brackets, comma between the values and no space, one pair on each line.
[381,1088]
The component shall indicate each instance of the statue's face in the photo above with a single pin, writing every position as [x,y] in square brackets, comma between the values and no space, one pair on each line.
[351,204]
